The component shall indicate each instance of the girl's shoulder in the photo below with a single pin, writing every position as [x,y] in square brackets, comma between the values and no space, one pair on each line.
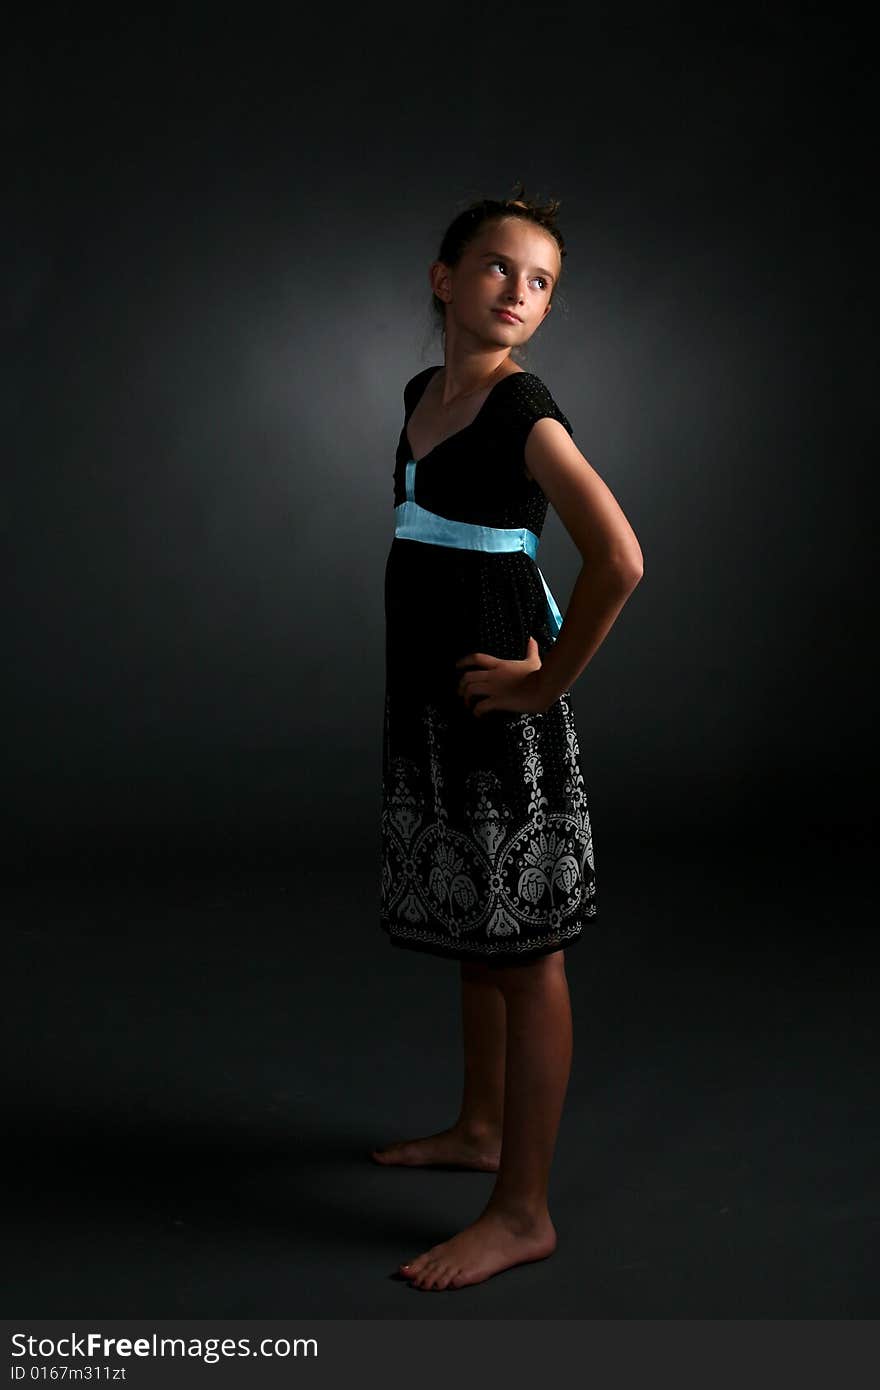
[416,385]
[520,398]
[525,398]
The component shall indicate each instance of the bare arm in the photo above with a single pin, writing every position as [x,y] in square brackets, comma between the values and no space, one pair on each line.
[612,558]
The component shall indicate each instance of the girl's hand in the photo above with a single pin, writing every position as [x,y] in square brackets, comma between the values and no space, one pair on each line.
[498,684]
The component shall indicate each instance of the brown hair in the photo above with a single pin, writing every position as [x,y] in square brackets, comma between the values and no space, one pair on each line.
[463,228]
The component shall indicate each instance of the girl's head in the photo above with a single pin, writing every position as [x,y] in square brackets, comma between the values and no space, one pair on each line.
[493,255]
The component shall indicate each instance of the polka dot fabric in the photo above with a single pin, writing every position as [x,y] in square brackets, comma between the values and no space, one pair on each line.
[486,842]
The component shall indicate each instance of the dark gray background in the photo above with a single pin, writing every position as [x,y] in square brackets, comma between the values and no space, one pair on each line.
[217,245]
[217,234]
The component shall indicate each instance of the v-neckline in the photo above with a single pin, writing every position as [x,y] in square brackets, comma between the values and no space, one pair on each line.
[455,433]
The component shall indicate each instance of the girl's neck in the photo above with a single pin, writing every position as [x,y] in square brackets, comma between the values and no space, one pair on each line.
[454,385]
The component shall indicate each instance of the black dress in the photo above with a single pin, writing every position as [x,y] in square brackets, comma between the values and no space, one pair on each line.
[485,833]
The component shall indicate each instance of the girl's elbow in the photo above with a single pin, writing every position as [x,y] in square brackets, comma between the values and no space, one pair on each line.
[628,565]
[632,570]
[623,564]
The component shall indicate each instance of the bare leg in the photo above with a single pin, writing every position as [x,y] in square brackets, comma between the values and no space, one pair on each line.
[474,1141]
[484,1034]
[515,1224]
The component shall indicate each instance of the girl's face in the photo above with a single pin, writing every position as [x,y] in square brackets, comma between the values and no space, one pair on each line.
[510,265]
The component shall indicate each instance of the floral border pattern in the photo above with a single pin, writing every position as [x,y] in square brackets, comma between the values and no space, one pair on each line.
[493,887]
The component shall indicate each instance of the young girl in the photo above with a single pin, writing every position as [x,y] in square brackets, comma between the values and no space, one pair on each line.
[486,838]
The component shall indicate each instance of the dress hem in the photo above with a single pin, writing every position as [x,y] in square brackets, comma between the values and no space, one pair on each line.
[501,958]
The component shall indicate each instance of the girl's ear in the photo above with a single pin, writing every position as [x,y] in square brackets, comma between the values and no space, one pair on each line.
[439,278]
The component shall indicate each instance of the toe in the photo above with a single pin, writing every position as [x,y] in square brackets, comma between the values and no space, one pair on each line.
[426,1274]
[391,1153]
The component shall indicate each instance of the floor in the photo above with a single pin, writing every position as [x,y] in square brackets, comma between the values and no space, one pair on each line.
[202,1062]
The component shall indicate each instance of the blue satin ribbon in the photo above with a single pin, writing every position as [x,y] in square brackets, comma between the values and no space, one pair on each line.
[415,523]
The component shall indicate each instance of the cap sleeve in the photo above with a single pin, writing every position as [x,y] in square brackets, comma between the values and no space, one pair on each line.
[530,401]
[526,402]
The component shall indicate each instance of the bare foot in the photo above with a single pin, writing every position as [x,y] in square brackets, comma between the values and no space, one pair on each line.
[453,1147]
[491,1243]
